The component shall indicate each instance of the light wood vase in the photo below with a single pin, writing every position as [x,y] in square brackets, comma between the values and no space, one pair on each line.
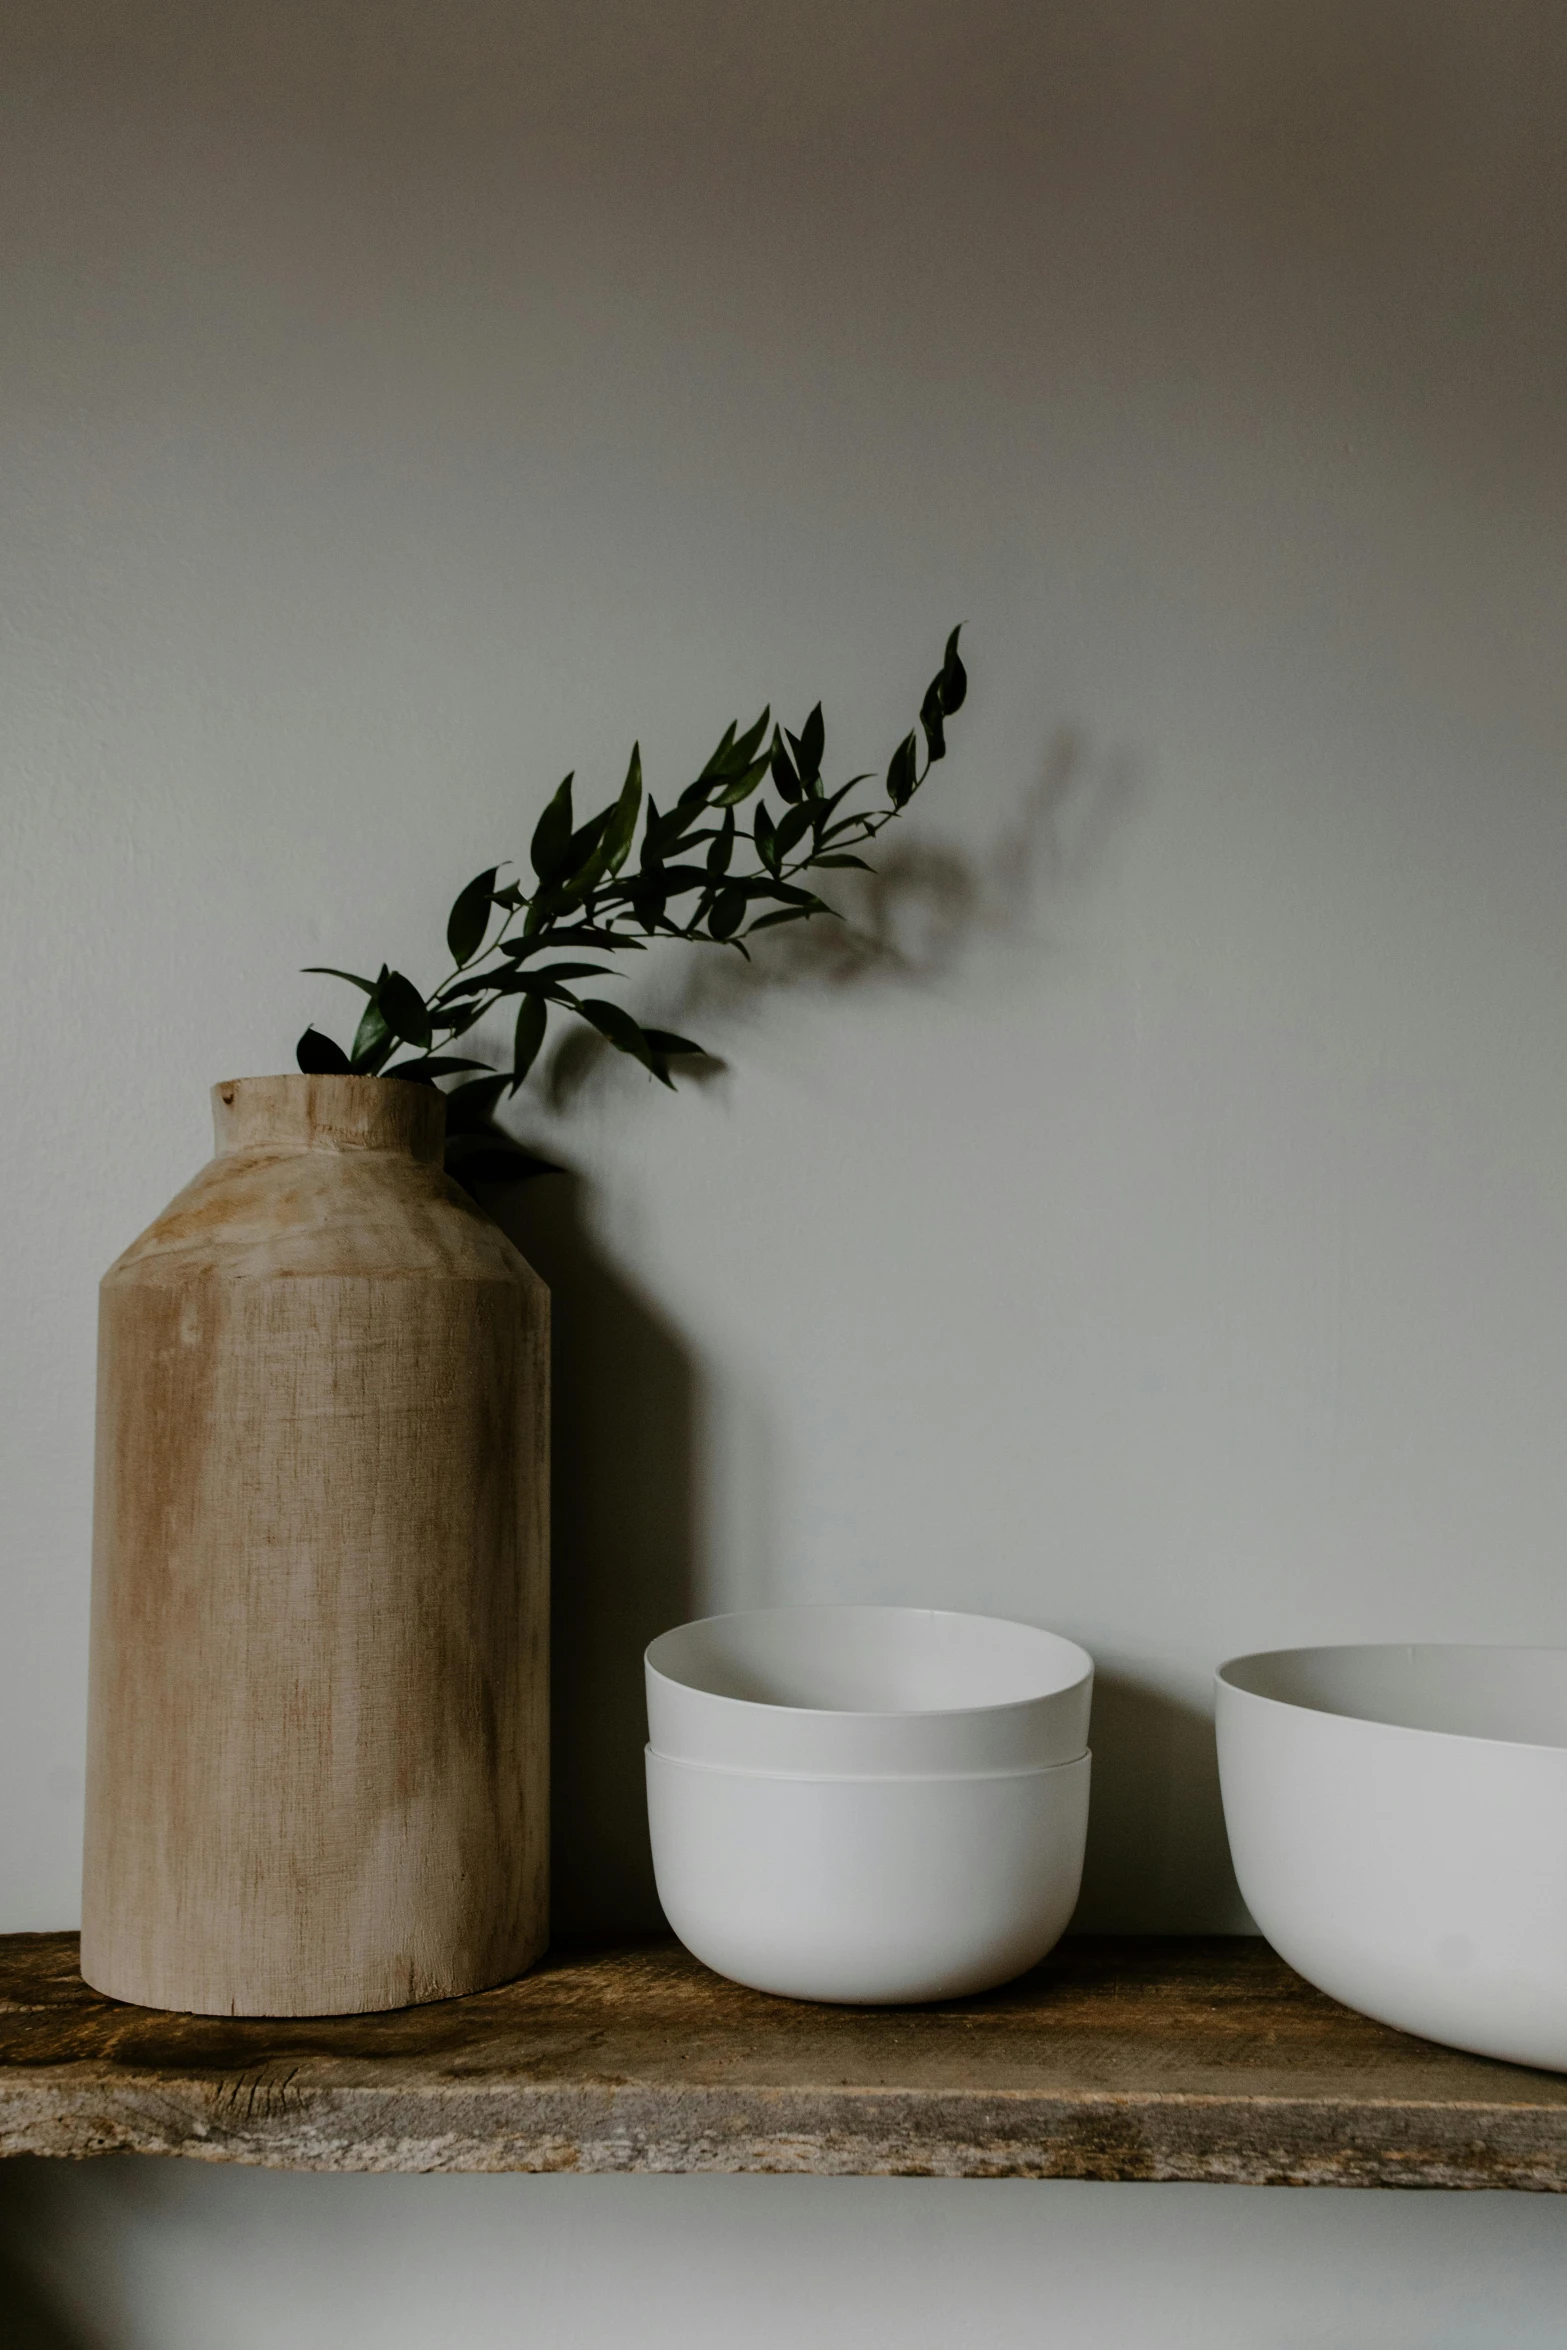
[318,1758]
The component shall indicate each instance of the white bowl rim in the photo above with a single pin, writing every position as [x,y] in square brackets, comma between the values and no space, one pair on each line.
[842,1713]
[692,1762]
[1292,1705]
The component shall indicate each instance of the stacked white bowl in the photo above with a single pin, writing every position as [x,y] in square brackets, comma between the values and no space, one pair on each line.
[869,1804]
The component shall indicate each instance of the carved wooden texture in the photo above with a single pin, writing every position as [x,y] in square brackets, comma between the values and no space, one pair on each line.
[1196,2060]
[317,1775]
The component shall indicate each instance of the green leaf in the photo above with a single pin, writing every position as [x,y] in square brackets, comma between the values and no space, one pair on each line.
[615,1024]
[584,857]
[318,1056]
[532,1020]
[838,858]
[679,829]
[552,835]
[765,837]
[822,809]
[623,821]
[587,934]
[652,850]
[828,833]
[744,784]
[930,719]
[433,1066]
[902,774]
[728,769]
[673,882]
[786,914]
[728,912]
[529,983]
[784,776]
[743,751]
[723,845]
[556,974]
[954,677]
[372,1039]
[715,765]
[645,899]
[403,1009]
[793,826]
[788,893]
[844,790]
[470,917]
[457,1023]
[735,753]
[664,1041]
[809,745]
[326,972]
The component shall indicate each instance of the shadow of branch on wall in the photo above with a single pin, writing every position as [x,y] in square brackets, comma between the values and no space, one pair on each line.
[911,922]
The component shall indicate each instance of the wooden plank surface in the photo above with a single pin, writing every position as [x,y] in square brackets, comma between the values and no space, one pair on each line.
[1148,2059]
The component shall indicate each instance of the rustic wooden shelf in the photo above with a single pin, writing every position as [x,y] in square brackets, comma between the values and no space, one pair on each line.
[1158,2059]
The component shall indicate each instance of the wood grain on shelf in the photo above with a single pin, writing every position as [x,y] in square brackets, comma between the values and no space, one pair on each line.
[1118,2059]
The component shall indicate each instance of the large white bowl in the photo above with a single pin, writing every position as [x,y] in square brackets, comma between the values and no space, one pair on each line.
[1398,1820]
[867,1804]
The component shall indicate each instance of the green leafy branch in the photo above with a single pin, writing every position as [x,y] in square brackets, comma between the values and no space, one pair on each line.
[702,874]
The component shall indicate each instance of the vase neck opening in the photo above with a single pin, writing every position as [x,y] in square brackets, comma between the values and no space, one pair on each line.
[277,1114]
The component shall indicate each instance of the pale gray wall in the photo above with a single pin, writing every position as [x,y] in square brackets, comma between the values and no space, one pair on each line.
[1169,1243]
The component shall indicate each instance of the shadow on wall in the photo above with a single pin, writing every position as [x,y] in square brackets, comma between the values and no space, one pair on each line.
[31,2316]
[929,903]
[912,921]
[626,1410]
[1158,1859]
[622,1465]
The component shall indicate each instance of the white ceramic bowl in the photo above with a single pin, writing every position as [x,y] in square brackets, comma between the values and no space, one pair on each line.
[883,1689]
[1398,1820]
[867,1804]
[872,1890]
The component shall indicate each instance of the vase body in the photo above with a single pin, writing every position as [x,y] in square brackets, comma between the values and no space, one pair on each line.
[318,1750]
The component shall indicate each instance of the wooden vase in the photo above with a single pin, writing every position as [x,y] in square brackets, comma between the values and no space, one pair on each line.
[318,1753]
